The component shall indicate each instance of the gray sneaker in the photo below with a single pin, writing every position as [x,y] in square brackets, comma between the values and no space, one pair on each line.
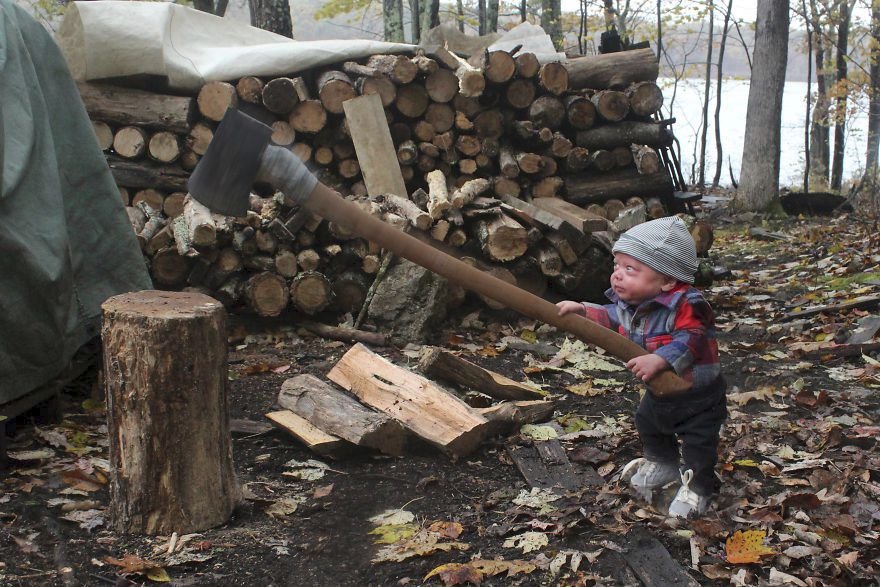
[687,502]
[651,475]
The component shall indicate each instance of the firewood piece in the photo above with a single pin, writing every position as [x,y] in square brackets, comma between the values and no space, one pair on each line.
[199,223]
[424,131]
[653,565]
[613,208]
[409,210]
[438,194]
[440,116]
[545,220]
[308,116]
[282,133]
[399,68]
[602,160]
[103,133]
[440,229]
[560,146]
[456,238]
[547,111]
[498,66]
[462,122]
[645,98]
[349,289]
[266,294]
[200,136]
[440,364]
[349,168]
[136,217]
[336,413]
[215,98]
[577,216]
[612,70]
[611,105]
[323,156]
[311,292]
[137,175]
[372,142]
[334,88]
[169,268]
[266,241]
[554,77]
[444,141]
[655,208]
[344,334]
[285,263]
[315,439]
[548,187]
[356,69]
[629,216]
[250,89]
[164,147]
[470,190]
[507,163]
[549,260]
[646,159]
[511,415]
[527,65]
[545,465]
[181,474]
[442,85]
[565,248]
[308,259]
[505,186]
[407,152]
[412,100]
[153,198]
[280,95]
[620,183]
[530,163]
[489,124]
[420,405]
[260,263]
[501,238]
[580,112]
[130,142]
[578,159]
[623,156]
[426,65]
[429,150]
[471,82]
[382,86]
[127,107]
[468,145]
[624,134]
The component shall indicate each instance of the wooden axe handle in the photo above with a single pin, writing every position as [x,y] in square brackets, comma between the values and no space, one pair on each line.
[329,205]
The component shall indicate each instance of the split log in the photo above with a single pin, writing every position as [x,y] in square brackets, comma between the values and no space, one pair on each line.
[199,223]
[408,209]
[199,137]
[215,98]
[612,70]
[127,107]
[572,213]
[334,88]
[426,65]
[624,134]
[308,259]
[645,98]
[507,163]
[441,364]
[130,142]
[438,195]
[555,78]
[621,183]
[546,221]
[506,416]
[613,208]
[548,187]
[611,105]
[471,82]
[338,414]
[577,159]
[399,68]
[315,439]
[646,159]
[308,116]
[311,292]
[468,191]
[433,414]
[266,294]
[167,474]
[501,238]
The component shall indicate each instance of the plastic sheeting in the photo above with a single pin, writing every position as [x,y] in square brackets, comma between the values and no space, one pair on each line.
[111,39]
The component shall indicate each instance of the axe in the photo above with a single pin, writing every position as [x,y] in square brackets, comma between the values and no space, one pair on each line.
[240,154]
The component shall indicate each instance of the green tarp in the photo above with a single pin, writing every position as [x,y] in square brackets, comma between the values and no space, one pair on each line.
[65,241]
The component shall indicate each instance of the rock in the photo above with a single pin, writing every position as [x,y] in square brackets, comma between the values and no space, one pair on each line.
[409,303]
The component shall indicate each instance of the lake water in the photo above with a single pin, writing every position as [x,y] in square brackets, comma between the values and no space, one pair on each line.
[687,109]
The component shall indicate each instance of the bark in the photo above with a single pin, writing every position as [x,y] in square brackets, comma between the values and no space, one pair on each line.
[874,99]
[272,15]
[393,21]
[819,128]
[718,79]
[704,131]
[759,176]
[551,21]
[840,106]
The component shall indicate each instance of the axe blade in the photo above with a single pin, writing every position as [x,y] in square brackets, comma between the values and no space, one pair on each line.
[223,178]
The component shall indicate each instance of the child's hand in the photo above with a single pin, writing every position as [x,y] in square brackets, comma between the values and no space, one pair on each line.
[569,307]
[646,367]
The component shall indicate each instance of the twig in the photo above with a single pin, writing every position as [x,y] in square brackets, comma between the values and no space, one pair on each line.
[387,257]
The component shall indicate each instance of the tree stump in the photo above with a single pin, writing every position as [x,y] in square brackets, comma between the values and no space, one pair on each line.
[170,448]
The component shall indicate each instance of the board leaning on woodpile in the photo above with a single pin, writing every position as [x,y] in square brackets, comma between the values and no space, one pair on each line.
[522,167]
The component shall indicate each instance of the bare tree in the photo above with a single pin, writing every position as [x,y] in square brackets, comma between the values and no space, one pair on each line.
[874,98]
[272,15]
[551,14]
[809,97]
[393,19]
[759,176]
[718,148]
[708,84]
[819,133]
[459,8]
[840,106]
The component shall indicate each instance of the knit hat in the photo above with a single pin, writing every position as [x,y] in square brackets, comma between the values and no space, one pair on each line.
[664,245]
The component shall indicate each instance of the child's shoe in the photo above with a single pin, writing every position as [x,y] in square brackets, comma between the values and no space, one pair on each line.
[687,502]
[651,475]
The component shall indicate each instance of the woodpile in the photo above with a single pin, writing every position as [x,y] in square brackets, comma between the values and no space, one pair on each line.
[512,163]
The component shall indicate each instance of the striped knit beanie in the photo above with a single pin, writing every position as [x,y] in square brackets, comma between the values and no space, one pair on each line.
[664,245]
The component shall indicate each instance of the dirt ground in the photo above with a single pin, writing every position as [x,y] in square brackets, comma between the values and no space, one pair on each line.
[799,460]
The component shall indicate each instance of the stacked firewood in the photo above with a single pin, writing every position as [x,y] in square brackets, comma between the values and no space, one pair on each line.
[512,162]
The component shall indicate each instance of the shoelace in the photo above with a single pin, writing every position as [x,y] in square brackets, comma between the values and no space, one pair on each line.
[685,494]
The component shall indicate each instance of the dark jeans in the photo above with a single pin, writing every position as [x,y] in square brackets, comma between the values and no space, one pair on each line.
[694,420]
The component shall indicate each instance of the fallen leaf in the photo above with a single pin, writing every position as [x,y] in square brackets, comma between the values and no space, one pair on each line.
[747,547]
[25,545]
[527,541]
[780,578]
[393,517]
[322,491]
[31,455]
[284,506]
[848,559]
[804,501]
[159,575]
[87,519]
[391,533]
[450,530]
[422,543]
[536,432]
[281,369]
[130,563]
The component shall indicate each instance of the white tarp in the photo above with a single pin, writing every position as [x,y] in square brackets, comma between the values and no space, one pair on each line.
[532,39]
[112,38]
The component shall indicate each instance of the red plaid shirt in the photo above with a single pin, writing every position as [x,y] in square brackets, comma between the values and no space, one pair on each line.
[678,325]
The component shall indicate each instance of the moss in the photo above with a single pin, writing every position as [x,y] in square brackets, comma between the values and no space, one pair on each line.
[844,282]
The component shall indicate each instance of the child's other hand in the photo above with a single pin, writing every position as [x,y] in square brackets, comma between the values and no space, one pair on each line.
[569,307]
[646,367]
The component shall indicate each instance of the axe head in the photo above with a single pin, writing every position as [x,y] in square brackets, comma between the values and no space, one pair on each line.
[225,174]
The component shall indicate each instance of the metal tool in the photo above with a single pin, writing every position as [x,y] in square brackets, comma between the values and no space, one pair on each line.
[239,155]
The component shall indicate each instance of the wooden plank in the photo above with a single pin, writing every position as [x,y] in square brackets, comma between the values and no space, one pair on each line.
[580,218]
[546,221]
[315,439]
[419,404]
[441,364]
[654,566]
[373,145]
[546,466]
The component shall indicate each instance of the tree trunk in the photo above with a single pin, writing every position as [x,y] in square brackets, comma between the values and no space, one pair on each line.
[842,92]
[170,448]
[272,15]
[704,131]
[819,129]
[719,78]
[613,71]
[874,100]
[551,21]
[393,21]
[492,15]
[759,176]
